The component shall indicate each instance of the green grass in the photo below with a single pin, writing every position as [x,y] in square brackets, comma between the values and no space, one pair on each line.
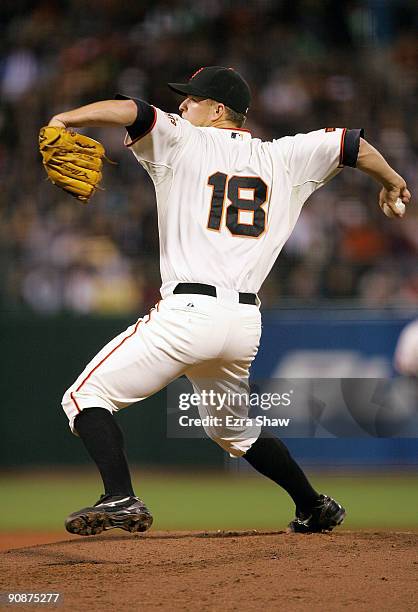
[40,501]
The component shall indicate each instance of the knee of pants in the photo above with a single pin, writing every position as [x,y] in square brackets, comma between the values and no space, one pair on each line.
[236,444]
[70,409]
[73,403]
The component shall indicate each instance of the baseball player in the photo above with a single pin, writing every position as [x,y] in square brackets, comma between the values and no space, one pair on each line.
[227,203]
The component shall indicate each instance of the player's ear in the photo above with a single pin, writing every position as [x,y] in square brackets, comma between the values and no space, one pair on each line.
[218,109]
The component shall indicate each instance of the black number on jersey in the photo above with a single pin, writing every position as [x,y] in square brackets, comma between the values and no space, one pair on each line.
[219,181]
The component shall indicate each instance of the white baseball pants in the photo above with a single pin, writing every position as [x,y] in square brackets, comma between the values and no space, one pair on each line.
[213,341]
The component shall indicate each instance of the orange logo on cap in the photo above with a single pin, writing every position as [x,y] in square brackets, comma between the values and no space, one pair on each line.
[195,73]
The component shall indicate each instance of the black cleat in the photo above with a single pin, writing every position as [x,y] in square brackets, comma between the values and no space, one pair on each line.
[324,516]
[111,511]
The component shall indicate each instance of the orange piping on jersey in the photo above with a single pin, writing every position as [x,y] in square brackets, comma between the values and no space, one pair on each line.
[340,163]
[147,132]
[102,361]
[235,129]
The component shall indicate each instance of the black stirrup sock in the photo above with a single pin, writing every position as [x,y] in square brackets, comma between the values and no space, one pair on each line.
[269,456]
[103,440]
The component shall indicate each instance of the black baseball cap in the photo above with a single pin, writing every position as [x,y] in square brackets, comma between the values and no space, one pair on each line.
[218,83]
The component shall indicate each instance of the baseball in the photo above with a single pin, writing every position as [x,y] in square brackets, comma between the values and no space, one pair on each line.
[400,207]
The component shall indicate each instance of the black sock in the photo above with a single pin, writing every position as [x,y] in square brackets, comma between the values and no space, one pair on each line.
[269,456]
[103,440]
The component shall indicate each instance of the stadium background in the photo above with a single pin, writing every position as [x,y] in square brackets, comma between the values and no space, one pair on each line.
[74,276]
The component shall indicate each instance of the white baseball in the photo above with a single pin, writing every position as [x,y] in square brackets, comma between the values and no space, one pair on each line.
[400,207]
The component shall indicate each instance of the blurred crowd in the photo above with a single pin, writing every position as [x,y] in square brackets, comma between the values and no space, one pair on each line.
[310,65]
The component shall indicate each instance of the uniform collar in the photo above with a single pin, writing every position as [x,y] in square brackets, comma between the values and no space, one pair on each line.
[238,133]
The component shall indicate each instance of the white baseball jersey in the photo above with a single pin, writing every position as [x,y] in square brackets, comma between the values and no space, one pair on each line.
[228,202]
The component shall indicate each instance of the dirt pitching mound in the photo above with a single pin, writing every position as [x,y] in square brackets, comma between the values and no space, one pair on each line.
[220,571]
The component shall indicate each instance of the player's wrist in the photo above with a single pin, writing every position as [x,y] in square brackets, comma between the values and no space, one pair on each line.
[393,182]
[57,122]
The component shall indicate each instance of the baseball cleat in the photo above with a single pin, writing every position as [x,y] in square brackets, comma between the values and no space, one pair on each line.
[324,516]
[111,511]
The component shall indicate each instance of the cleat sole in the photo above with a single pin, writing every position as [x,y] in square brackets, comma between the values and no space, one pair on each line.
[328,524]
[93,523]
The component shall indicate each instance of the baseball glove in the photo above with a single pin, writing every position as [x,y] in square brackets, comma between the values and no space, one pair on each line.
[72,161]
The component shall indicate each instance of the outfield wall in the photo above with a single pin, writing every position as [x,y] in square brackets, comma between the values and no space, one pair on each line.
[42,356]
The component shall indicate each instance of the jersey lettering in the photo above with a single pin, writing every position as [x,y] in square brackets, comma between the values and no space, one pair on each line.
[172,119]
[244,215]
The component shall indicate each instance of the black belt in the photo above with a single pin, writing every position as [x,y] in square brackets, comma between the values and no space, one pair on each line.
[244,298]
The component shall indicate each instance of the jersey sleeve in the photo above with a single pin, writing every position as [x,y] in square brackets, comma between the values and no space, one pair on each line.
[317,156]
[155,137]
